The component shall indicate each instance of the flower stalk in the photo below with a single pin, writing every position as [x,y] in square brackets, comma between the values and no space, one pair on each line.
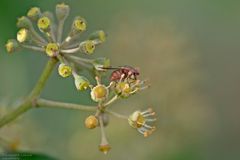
[30,100]
[69,51]
[43,103]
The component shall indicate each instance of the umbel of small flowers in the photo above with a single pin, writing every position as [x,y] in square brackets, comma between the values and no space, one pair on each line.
[49,41]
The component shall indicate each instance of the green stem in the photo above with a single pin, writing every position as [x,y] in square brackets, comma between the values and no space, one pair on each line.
[54,104]
[29,101]
[60,30]
[111,101]
[116,114]
[76,58]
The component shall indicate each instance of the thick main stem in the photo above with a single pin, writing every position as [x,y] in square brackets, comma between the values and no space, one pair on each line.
[28,102]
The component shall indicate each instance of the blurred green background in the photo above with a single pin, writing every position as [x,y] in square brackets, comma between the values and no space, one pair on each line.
[188,49]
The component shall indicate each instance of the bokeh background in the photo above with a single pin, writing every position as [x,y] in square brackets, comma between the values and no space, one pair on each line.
[188,49]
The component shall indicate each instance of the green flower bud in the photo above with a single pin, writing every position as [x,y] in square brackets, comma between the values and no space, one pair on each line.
[34,13]
[64,70]
[23,35]
[81,82]
[99,36]
[12,45]
[79,24]
[52,49]
[62,11]
[43,23]
[87,47]
[24,22]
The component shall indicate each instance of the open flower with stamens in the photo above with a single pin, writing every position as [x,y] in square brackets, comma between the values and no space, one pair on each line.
[125,88]
[140,120]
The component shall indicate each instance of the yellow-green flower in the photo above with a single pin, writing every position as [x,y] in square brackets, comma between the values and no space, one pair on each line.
[123,89]
[87,47]
[22,35]
[52,49]
[43,23]
[64,70]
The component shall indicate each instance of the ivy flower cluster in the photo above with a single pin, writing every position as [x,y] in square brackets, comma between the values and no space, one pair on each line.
[43,32]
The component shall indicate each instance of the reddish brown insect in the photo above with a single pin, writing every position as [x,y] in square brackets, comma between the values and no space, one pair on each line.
[123,72]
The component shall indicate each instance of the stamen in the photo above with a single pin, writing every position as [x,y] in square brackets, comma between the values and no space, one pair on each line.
[98,80]
[149,110]
[147,126]
[110,84]
[128,75]
[147,133]
[149,114]
[141,130]
[137,82]
[151,120]
[144,87]
[134,91]
[122,76]
[141,124]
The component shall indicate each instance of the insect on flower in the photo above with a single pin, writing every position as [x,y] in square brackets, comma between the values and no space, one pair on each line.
[123,72]
[49,39]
